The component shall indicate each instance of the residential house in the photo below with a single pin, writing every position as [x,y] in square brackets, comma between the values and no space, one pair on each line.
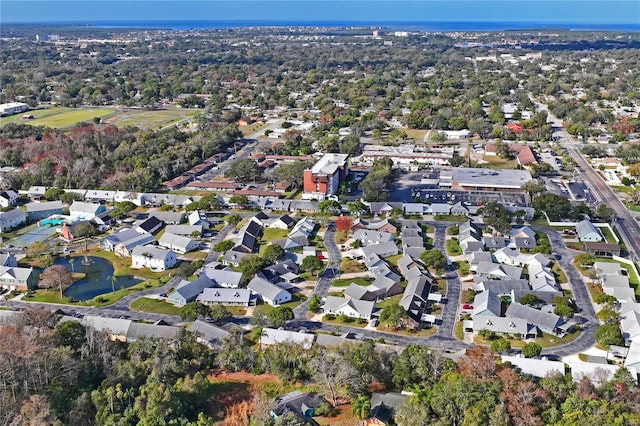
[247,237]
[282,222]
[99,196]
[487,303]
[630,325]
[602,249]
[367,237]
[232,257]
[414,299]
[300,233]
[139,330]
[188,291]
[500,287]
[152,225]
[272,336]
[225,296]
[385,249]
[152,257]
[8,198]
[303,405]
[587,232]
[498,271]
[72,231]
[268,292]
[501,326]
[414,209]
[381,288]
[380,209]
[208,334]
[493,243]
[352,308]
[136,198]
[198,218]
[36,193]
[524,231]
[438,209]
[12,219]
[541,278]
[16,278]
[223,277]
[8,259]
[282,272]
[178,243]
[185,230]
[42,210]
[546,322]
[80,210]
[170,218]
[540,368]
[633,356]
[383,408]
[111,241]
[523,243]
[125,248]
[597,373]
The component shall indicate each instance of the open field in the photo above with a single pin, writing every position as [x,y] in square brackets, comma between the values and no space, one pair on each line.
[61,118]
[57,118]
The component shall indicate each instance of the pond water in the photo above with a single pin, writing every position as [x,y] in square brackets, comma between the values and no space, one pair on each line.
[96,281]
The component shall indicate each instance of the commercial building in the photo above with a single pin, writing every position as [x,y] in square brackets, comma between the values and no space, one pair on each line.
[494,180]
[13,108]
[324,178]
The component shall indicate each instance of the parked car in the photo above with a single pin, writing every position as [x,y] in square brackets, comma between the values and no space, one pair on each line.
[466,306]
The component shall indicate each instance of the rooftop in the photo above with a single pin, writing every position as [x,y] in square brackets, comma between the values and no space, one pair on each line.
[329,163]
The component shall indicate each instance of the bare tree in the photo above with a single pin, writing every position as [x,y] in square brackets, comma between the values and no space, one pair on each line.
[337,375]
[55,276]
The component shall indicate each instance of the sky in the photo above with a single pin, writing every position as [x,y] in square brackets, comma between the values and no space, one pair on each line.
[525,11]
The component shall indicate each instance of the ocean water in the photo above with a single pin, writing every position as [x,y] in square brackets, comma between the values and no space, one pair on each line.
[391,25]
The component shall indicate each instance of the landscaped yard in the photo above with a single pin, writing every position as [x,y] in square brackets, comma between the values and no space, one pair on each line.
[273,234]
[344,320]
[296,299]
[453,248]
[546,340]
[450,218]
[156,306]
[462,267]
[608,236]
[558,273]
[363,281]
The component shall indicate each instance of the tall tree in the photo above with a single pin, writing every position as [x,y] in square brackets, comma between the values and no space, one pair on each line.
[55,276]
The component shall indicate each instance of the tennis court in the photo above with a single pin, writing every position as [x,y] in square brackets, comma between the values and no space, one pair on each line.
[39,233]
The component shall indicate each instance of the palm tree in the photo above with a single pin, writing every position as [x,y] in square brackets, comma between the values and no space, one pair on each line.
[360,407]
[113,280]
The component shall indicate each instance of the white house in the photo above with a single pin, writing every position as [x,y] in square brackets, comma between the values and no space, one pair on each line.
[362,309]
[587,232]
[12,219]
[80,210]
[152,257]
[178,243]
[8,198]
[269,293]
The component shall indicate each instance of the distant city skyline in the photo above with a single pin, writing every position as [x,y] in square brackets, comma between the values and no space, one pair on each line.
[558,12]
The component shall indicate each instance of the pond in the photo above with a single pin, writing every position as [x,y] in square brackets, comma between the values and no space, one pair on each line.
[96,281]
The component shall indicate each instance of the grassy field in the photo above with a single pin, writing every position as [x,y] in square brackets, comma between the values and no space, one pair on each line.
[462,267]
[148,119]
[608,236]
[155,306]
[272,234]
[363,281]
[453,247]
[558,273]
[450,218]
[58,118]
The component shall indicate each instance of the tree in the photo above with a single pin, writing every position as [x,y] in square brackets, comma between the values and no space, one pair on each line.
[36,249]
[122,209]
[335,374]
[555,206]
[240,200]
[496,216]
[245,170]
[251,265]
[272,253]
[192,310]
[605,212]
[219,313]
[311,264]
[531,350]
[434,259]
[533,188]
[113,280]
[186,269]
[500,346]
[563,307]
[609,334]
[501,149]
[529,299]
[360,407]
[329,207]
[356,208]
[233,219]
[608,315]
[224,246]
[279,316]
[291,173]
[413,412]
[585,259]
[344,224]
[395,314]
[55,276]
[314,303]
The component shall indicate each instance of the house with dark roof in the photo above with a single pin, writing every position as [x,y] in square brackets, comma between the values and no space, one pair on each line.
[283,222]
[303,405]
[151,225]
[232,257]
[125,248]
[383,408]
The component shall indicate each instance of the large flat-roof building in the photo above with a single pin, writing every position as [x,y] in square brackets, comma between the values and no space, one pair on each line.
[324,178]
[13,108]
[498,180]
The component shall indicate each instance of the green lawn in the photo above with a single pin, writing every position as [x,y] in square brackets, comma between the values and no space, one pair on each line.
[58,117]
[339,320]
[450,218]
[623,189]
[393,300]
[427,229]
[272,234]
[558,273]
[363,281]
[295,301]
[462,267]
[634,281]
[608,236]
[393,260]
[149,119]
[453,248]
[155,306]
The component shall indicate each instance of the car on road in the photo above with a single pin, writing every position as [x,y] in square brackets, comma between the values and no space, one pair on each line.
[76,315]
[163,294]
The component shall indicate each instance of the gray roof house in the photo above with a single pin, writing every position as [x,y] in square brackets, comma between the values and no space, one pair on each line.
[186,230]
[110,241]
[502,325]
[81,210]
[188,291]
[587,232]
[272,336]
[125,248]
[546,322]
[414,298]
[384,249]
[498,271]
[269,293]
[37,211]
[12,219]
[487,303]
[177,243]
[535,367]
[232,257]
[170,218]
[384,405]
[224,277]
[208,334]
[367,237]
[225,296]
[353,308]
